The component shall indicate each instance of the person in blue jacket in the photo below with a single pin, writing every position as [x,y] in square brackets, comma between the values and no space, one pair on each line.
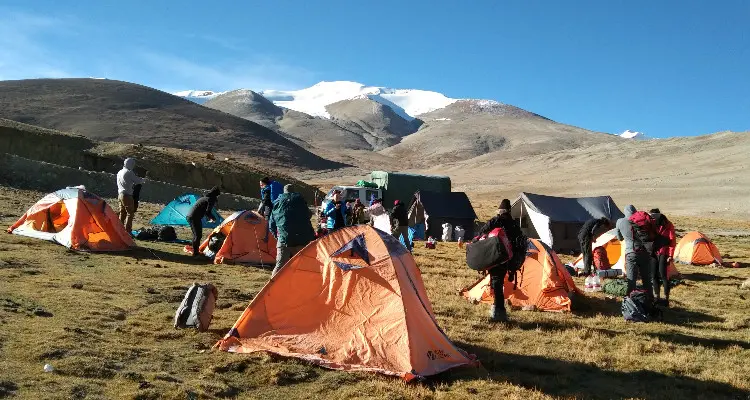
[335,211]
[269,192]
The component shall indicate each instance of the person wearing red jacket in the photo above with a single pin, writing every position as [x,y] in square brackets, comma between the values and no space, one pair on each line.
[662,256]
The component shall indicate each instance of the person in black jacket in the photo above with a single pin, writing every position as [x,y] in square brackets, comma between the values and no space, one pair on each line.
[202,208]
[591,230]
[512,229]
[400,215]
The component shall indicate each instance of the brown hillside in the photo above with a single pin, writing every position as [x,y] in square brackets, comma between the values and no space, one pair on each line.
[130,113]
[180,167]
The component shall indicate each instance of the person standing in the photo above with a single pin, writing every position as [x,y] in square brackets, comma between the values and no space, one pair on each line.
[663,253]
[203,207]
[126,179]
[290,225]
[590,230]
[512,229]
[358,212]
[401,218]
[268,194]
[335,211]
[637,254]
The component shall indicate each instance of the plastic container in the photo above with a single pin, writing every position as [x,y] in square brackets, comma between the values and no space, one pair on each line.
[589,284]
[596,283]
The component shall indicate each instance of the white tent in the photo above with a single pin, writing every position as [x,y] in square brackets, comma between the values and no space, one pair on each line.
[557,220]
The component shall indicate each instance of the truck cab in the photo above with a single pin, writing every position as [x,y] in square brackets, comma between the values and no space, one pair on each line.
[351,193]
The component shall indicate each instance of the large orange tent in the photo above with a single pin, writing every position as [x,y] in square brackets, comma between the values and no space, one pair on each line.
[616,254]
[352,300]
[247,240]
[695,248]
[542,283]
[76,219]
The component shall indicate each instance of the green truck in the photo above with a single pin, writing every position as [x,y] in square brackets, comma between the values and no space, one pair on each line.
[401,186]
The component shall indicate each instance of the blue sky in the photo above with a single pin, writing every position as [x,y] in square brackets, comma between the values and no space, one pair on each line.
[666,68]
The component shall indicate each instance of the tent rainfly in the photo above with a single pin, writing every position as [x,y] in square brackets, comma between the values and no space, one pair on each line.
[557,220]
[433,209]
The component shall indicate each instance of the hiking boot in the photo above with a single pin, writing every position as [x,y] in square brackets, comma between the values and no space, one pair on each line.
[498,314]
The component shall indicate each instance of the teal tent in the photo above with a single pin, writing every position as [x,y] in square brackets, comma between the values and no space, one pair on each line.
[176,211]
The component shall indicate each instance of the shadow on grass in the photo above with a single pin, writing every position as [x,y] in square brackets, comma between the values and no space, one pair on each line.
[687,340]
[147,253]
[589,306]
[683,316]
[561,378]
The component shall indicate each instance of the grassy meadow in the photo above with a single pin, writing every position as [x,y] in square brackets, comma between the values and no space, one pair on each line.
[104,322]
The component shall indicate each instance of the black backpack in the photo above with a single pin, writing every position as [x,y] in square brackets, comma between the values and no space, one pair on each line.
[147,233]
[167,234]
[487,253]
[638,307]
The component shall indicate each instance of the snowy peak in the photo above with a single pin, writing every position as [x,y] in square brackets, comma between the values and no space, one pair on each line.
[408,103]
[628,134]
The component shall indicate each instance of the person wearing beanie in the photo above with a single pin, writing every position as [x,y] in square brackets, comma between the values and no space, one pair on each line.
[126,180]
[637,257]
[290,225]
[203,207]
[400,217]
[512,229]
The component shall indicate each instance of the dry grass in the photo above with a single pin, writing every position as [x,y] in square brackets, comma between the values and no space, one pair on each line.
[110,334]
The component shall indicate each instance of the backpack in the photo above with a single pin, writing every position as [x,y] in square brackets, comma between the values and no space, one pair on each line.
[644,229]
[166,234]
[197,308]
[601,262]
[489,252]
[638,307]
[147,233]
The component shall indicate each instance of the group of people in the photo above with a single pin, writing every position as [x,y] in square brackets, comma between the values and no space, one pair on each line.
[338,214]
[647,254]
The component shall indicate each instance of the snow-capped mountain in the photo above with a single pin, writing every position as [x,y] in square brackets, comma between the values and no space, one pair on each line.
[628,134]
[197,96]
[408,103]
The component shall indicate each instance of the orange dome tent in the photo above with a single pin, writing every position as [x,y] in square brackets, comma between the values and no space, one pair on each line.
[247,240]
[353,300]
[616,254]
[695,248]
[76,219]
[542,283]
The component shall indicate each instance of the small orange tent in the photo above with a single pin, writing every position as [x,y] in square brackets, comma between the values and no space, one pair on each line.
[247,240]
[616,254]
[353,300]
[695,248]
[76,219]
[542,283]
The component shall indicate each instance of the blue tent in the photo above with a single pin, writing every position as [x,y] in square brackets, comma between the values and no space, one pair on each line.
[175,212]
